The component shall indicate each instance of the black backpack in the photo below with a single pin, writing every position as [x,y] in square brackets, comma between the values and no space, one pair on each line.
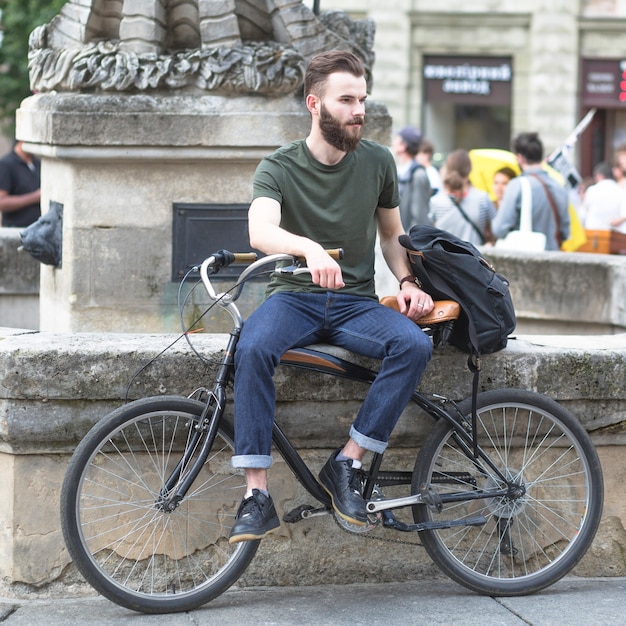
[450,268]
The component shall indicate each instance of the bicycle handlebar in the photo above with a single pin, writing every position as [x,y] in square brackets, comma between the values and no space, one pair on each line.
[224,258]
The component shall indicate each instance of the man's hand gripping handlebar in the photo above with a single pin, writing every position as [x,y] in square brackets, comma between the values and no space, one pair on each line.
[224,258]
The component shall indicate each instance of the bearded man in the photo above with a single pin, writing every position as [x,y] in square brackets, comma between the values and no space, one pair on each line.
[330,190]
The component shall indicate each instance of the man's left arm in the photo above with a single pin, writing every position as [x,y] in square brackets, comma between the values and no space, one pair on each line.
[413,302]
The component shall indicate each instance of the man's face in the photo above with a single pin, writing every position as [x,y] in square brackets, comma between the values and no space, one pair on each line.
[342,111]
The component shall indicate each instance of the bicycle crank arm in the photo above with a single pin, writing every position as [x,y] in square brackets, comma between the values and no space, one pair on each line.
[305,511]
[427,495]
[374,506]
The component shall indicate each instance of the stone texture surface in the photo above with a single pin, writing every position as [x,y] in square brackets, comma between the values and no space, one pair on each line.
[54,386]
[118,164]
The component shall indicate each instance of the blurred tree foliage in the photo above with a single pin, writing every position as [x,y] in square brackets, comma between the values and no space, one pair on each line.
[19,19]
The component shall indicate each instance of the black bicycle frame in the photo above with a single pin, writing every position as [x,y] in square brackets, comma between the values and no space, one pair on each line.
[321,362]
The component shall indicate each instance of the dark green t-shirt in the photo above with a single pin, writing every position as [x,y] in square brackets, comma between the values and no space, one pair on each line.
[334,205]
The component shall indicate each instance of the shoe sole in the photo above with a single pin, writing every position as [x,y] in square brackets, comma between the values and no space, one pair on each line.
[352,520]
[250,536]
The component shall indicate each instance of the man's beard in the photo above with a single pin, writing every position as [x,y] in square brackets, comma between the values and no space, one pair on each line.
[339,135]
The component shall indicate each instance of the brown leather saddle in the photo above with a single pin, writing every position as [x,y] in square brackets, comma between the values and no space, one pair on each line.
[438,323]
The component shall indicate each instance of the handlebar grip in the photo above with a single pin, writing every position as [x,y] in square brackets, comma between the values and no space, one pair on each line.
[245,257]
[336,253]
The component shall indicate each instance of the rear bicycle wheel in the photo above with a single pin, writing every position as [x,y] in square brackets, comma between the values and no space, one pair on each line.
[123,541]
[540,530]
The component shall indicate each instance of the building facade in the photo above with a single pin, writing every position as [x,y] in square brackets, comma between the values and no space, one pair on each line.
[473,74]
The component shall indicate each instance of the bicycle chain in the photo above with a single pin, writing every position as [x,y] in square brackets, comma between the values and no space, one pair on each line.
[368,535]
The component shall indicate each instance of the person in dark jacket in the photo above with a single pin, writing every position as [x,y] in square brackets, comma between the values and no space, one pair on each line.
[20,193]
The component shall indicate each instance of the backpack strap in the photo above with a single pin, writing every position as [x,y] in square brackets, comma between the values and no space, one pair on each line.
[553,205]
[473,363]
[468,220]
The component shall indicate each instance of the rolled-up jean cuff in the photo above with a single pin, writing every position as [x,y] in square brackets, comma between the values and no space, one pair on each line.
[366,442]
[252,461]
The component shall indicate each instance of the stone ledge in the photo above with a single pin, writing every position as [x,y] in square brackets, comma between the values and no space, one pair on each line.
[571,292]
[54,386]
[170,121]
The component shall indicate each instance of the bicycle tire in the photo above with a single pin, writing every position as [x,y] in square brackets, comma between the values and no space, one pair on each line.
[125,546]
[527,543]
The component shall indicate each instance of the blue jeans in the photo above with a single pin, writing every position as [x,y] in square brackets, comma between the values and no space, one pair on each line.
[361,325]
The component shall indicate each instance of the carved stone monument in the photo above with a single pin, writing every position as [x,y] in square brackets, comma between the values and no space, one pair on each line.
[148,114]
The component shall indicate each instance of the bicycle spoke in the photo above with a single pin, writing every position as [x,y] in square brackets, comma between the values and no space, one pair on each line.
[128,543]
[535,529]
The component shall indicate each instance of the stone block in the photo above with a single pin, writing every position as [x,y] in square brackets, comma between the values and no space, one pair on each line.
[19,271]
[543,290]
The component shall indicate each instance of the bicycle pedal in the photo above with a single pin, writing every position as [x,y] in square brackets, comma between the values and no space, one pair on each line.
[304,511]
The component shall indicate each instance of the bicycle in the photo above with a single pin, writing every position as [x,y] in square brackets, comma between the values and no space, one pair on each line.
[507,508]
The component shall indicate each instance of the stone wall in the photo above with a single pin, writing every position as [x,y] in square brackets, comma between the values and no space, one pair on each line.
[19,283]
[54,386]
[565,293]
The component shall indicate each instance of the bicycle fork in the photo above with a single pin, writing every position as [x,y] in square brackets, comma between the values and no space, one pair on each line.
[200,439]
[199,443]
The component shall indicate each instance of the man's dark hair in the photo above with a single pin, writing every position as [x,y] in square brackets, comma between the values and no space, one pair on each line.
[529,146]
[326,63]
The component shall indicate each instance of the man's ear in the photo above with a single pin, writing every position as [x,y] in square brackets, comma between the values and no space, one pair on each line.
[313,104]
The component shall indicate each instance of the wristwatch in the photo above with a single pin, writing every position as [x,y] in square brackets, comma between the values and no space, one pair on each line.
[410,279]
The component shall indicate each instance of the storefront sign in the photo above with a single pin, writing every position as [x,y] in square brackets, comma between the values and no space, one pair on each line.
[604,83]
[468,80]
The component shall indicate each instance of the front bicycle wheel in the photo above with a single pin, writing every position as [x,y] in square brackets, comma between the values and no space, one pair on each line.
[541,456]
[124,541]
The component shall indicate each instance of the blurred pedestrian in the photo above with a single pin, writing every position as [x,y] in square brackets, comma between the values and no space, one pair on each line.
[460,208]
[500,180]
[550,200]
[20,175]
[602,202]
[415,190]
[425,157]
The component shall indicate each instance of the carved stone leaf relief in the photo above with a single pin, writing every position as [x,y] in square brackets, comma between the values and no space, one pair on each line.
[221,46]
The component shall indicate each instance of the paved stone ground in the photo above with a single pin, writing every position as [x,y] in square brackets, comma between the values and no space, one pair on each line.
[580,601]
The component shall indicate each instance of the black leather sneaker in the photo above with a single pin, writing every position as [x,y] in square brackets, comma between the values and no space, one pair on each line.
[255,519]
[342,483]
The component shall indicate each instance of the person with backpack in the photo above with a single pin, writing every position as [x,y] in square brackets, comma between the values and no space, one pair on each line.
[549,198]
[413,182]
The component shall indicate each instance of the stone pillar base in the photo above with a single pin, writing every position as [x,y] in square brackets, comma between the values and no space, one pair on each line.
[117,164]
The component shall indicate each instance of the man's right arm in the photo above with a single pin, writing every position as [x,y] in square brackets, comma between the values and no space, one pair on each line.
[269,237]
[9,204]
